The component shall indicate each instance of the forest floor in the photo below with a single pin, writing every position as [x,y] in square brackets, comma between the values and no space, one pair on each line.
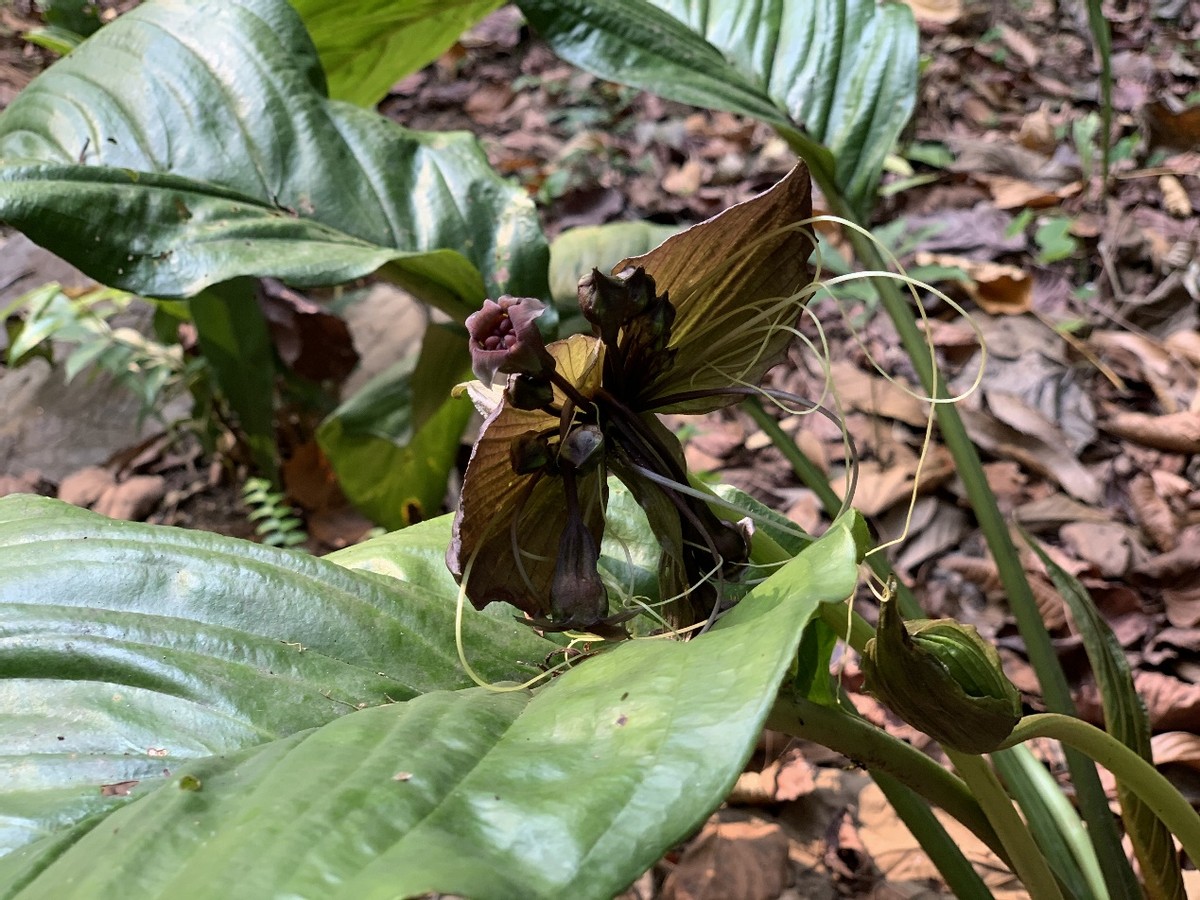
[1087,415]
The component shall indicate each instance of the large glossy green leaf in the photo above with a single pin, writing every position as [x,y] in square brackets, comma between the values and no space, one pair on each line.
[1125,719]
[234,339]
[837,78]
[191,141]
[577,251]
[126,649]
[394,443]
[568,792]
[366,46]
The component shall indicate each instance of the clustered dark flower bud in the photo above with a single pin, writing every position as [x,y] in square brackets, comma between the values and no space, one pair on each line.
[633,320]
[529,452]
[504,338]
[529,391]
[610,303]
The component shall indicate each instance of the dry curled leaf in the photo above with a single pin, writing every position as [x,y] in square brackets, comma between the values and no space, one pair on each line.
[1152,513]
[984,574]
[134,499]
[997,288]
[744,859]
[788,777]
[1171,703]
[1178,747]
[938,12]
[1176,432]
[1106,546]
[85,487]
[1175,196]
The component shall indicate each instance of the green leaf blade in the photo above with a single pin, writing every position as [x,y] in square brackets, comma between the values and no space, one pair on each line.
[368,45]
[837,78]
[142,646]
[189,143]
[570,791]
[1126,720]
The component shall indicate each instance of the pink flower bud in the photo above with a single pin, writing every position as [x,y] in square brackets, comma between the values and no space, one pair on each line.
[504,338]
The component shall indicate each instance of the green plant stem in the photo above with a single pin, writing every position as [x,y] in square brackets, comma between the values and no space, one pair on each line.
[840,616]
[874,748]
[1102,35]
[1023,853]
[1128,767]
[1043,803]
[1103,830]
[896,763]
[815,480]
[956,870]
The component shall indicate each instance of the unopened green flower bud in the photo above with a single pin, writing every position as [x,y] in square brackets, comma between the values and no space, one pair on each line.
[940,676]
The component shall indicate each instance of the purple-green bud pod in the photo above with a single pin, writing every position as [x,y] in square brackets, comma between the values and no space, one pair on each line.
[940,676]
[529,453]
[577,594]
[583,448]
[609,302]
[529,392]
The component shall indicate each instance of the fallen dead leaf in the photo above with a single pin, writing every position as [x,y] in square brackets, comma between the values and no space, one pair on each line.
[1179,128]
[1182,606]
[1005,479]
[339,526]
[24,484]
[1178,566]
[1056,509]
[786,778]
[134,499]
[1175,196]
[997,288]
[744,859]
[882,485]
[488,102]
[986,576]
[901,859]
[938,12]
[85,487]
[684,180]
[1179,747]
[944,527]
[1051,458]
[1172,704]
[1020,44]
[1152,513]
[1107,546]
[1175,432]
[1186,343]
[1037,131]
[878,396]
[311,341]
[1016,193]
[310,479]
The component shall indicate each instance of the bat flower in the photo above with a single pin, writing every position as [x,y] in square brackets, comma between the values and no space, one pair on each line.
[684,328]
